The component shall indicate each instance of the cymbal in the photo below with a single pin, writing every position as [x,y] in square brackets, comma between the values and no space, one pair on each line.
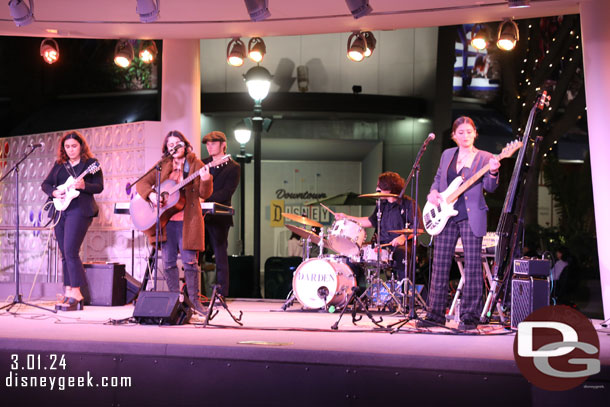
[304,233]
[301,219]
[406,231]
[378,195]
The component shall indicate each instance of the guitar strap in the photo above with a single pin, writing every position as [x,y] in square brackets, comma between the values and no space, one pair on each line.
[70,169]
[186,169]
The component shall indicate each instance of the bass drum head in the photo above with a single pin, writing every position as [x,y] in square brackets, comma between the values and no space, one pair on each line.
[315,278]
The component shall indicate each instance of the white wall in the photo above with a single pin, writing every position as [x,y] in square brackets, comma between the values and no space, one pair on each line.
[125,152]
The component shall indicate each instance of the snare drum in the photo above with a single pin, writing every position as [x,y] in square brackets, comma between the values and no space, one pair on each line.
[368,254]
[316,278]
[346,237]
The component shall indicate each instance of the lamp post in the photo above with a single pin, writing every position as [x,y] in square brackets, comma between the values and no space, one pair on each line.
[258,81]
[242,135]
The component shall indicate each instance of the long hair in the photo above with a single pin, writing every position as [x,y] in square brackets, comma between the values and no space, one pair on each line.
[85,152]
[461,120]
[176,133]
[391,181]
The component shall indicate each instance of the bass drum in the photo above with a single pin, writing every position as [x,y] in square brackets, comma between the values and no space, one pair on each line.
[317,279]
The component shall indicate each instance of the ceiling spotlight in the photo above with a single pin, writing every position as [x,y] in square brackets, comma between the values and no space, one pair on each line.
[359,8]
[256,49]
[21,13]
[148,51]
[371,42]
[123,53]
[258,9]
[236,52]
[49,50]
[518,3]
[356,47]
[148,10]
[258,81]
[478,37]
[508,35]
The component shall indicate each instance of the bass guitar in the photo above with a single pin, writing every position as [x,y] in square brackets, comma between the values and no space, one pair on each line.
[436,216]
[144,213]
[61,204]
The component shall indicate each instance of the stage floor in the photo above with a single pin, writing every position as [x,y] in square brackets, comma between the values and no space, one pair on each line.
[357,364]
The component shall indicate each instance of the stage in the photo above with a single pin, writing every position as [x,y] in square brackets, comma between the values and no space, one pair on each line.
[278,357]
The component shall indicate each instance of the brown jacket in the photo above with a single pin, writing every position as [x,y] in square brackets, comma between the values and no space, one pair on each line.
[193,229]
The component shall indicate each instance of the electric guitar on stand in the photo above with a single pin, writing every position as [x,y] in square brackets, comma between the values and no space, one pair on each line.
[436,216]
[61,204]
[144,213]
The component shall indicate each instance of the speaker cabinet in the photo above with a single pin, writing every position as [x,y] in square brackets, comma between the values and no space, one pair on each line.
[106,284]
[278,276]
[244,282]
[527,296]
[161,308]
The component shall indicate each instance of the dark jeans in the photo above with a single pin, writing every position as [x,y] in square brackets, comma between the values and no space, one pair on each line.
[170,249]
[219,235]
[70,233]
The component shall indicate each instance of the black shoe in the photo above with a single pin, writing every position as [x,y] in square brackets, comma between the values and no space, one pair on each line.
[468,324]
[429,323]
[72,305]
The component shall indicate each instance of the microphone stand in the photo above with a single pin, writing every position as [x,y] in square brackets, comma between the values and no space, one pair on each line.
[17,299]
[156,167]
[412,265]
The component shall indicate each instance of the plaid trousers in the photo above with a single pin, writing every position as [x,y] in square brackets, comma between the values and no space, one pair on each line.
[471,304]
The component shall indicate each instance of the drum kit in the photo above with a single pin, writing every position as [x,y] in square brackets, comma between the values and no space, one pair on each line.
[329,281]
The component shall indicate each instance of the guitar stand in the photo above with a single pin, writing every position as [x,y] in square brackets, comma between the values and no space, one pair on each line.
[216,296]
[356,302]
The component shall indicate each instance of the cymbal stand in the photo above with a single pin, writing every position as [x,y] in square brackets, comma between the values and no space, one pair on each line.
[376,282]
[356,303]
[216,296]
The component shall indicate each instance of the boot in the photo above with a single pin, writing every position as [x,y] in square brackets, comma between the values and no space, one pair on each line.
[172,279]
[192,287]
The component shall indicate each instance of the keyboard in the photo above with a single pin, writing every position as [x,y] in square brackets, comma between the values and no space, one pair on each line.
[213,208]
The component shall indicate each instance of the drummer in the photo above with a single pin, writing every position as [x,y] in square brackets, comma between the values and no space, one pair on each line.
[394,214]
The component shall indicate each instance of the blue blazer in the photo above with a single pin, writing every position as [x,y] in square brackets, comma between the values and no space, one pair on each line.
[475,200]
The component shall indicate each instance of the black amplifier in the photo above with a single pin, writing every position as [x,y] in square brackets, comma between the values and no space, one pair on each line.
[532,267]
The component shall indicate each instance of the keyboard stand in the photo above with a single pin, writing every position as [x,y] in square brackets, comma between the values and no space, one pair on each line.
[459,259]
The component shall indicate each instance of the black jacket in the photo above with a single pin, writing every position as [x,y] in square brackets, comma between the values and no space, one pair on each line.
[226,178]
[94,184]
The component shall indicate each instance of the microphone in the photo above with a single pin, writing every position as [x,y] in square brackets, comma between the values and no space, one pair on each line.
[431,137]
[36,145]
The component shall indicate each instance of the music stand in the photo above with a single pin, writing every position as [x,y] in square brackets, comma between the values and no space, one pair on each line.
[18,299]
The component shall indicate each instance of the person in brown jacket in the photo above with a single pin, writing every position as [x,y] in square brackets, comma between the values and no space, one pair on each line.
[184,233]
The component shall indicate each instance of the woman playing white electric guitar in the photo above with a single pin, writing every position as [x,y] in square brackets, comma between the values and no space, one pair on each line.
[78,209]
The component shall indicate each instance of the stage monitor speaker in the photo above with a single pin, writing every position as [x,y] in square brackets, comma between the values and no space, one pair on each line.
[106,284]
[527,296]
[132,289]
[161,308]
[278,276]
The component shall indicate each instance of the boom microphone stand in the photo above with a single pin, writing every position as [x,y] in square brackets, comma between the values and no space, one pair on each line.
[17,299]
[413,264]
[157,167]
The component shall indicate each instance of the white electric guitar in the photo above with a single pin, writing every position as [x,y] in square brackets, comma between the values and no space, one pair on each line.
[61,204]
[436,216]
